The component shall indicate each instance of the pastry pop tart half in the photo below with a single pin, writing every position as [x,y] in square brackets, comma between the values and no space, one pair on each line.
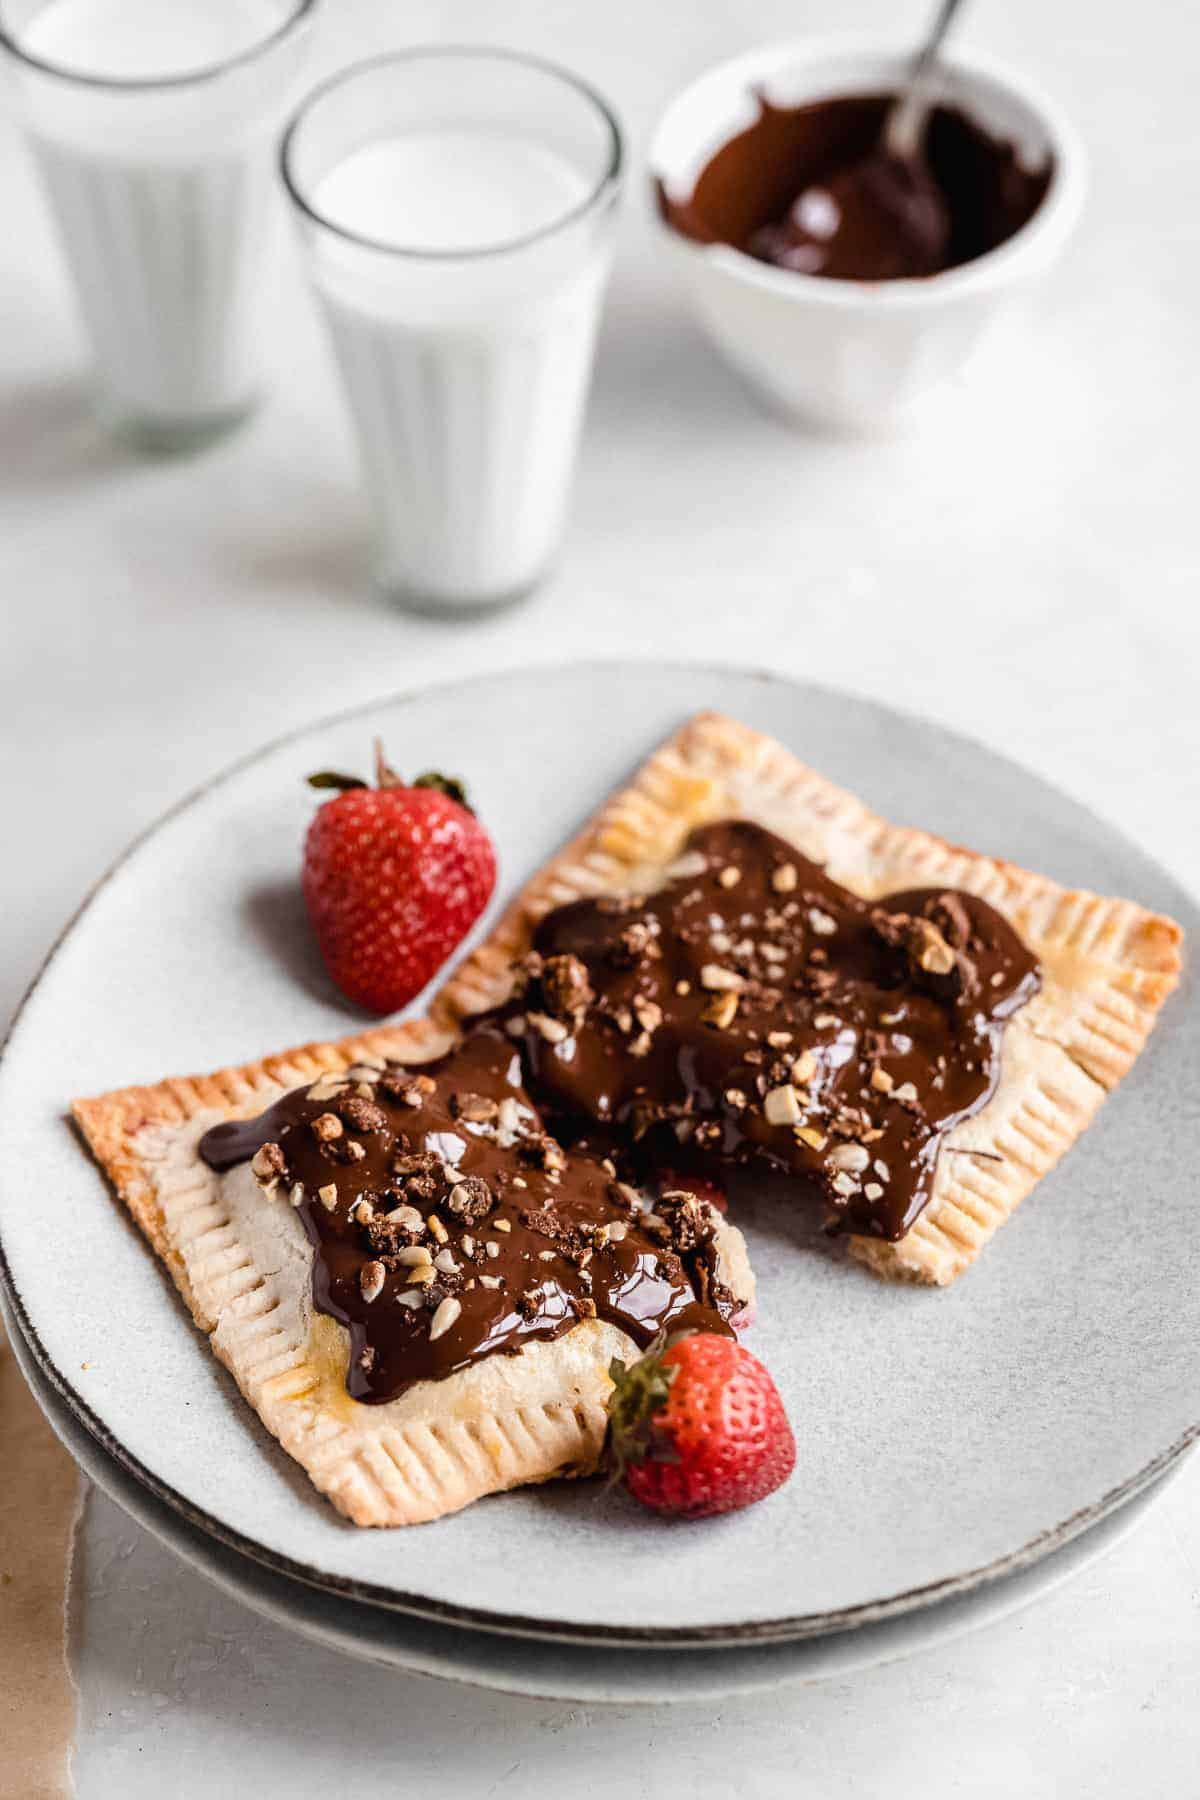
[415,1287]
[737,961]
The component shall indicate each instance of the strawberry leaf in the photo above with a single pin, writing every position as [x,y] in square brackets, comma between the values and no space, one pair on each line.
[639,1393]
[449,785]
[329,778]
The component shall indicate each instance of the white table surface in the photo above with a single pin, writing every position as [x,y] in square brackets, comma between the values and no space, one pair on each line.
[1024,568]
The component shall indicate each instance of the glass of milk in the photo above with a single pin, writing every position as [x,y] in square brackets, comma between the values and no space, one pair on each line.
[457,207]
[154,124]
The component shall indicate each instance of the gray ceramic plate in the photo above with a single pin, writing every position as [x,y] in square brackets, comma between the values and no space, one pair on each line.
[579,1672]
[945,1438]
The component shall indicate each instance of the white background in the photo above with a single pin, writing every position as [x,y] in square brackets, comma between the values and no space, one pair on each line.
[1024,568]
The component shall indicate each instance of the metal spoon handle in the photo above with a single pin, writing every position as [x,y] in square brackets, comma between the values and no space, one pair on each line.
[905,122]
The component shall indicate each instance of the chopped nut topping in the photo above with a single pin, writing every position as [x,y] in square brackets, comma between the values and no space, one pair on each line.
[779,1040]
[474,1109]
[617,1231]
[437,1228]
[413,1256]
[804,1068]
[553,1030]
[729,876]
[327,1195]
[501,1224]
[406,1088]
[444,1260]
[781,1106]
[785,878]
[407,1216]
[410,1297]
[268,1163]
[648,1014]
[371,1278]
[508,1119]
[808,1134]
[327,1087]
[851,1157]
[906,1093]
[687,866]
[821,922]
[873,1191]
[489,1281]
[720,1011]
[445,1316]
[632,944]
[327,1127]
[720,980]
[881,1081]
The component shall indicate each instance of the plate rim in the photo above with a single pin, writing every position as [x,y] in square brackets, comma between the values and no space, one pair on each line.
[510,1624]
[200,1553]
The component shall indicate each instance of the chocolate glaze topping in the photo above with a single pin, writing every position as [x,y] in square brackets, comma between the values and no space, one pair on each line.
[448,1226]
[808,188]
[754,1009]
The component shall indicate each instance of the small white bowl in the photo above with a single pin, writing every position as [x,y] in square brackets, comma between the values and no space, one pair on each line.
[847,354]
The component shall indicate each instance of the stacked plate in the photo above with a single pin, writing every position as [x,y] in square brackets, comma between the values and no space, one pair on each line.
[959,1451]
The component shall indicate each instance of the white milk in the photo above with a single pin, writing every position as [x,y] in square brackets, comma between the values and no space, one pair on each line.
[163,194]
[146,40]
[466,351]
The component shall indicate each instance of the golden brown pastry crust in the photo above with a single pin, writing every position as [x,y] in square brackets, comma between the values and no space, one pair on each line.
[1108,965]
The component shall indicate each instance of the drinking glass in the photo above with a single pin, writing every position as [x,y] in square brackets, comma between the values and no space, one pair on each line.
[154,123]
[457,210]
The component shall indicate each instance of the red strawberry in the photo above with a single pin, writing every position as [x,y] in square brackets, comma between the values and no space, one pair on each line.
[698,1428]
[394,878]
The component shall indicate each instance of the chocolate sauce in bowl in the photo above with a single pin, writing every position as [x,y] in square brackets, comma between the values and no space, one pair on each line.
[808,188]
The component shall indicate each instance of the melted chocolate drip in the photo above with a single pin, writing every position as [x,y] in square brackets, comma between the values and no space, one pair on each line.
[453,1159]
[808,188]
[754,1009]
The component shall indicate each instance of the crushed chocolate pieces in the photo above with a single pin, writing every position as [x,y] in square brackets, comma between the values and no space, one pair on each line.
[566,990]
[470,1199]
[362,1114]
